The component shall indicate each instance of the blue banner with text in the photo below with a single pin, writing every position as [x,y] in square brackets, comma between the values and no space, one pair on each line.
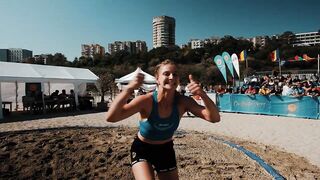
[305,107]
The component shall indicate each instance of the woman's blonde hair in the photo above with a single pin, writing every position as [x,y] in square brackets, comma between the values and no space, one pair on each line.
[165,62]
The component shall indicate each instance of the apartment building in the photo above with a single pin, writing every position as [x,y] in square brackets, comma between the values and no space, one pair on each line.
[14,54]
[306,39]
[258,41]
[89,50]
[4,55]
[163,31]
[128,46]
[196,43]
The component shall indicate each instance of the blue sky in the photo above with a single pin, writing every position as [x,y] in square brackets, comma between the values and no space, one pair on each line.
[50,26]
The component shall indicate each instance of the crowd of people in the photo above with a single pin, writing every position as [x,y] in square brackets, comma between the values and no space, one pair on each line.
[60,100]
[287,85]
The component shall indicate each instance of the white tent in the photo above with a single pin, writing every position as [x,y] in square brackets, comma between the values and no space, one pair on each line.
[149,84]
[20,72]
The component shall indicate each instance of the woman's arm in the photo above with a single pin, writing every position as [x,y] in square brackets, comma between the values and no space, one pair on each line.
[119,108]
[209,112]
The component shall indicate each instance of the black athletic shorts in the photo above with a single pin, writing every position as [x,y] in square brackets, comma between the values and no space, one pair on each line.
[162,157]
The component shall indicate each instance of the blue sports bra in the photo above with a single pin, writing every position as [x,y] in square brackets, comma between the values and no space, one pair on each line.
[156,128]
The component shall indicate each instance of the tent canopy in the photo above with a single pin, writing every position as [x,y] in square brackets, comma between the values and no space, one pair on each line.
[148,79]
[20,72]
[149,82]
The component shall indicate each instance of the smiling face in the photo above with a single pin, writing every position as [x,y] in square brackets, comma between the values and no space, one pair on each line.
[167,77]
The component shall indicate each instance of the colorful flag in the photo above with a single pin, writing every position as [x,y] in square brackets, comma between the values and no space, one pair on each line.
[227,59]
[221,66]
[298,58]
[243,55]
[275,56]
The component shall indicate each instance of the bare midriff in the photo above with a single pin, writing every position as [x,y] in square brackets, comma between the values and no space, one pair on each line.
[143,139]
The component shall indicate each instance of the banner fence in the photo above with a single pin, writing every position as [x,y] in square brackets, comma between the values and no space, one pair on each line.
[303,107]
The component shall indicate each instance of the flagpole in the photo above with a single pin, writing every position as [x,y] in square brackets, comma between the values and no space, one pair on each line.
[246,66]
[318,64]
[280,66]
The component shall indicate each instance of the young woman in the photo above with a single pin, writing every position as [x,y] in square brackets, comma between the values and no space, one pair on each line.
[160,112]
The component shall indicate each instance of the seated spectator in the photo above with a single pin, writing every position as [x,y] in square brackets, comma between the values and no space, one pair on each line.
[54,95]
[243,88]
[264,91]
[72,100]
[271,84]
[287,90]
[296,79]
[264,80]
[71,95]
[220,90]
[306,85]
[277,90]
[298,91]
[62,99]
[313,91]
[63,94]
[251,90]
[229,90]
[211,89]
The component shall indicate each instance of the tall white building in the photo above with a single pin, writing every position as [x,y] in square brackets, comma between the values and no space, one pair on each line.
[307,39]
[163,31]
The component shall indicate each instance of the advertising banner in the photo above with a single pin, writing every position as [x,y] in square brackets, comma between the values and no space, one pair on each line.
[221,66]
[235,62]
[227,59]
[305,106]
[224,102]
[251,103]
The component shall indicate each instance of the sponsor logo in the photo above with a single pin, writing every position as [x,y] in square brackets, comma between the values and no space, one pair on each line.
[133,154]
[292,108]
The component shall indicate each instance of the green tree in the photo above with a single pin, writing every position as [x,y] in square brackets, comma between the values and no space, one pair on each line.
[105,82]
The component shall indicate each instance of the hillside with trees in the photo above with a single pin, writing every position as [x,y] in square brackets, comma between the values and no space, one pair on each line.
[198,62]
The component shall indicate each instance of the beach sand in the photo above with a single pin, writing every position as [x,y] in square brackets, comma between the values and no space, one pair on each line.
[85,146]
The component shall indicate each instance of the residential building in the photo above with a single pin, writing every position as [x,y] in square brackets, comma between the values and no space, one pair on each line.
[213,40]
[306,39]
[128,46]
[163,31]
[196,43]
[42,58]
[4,55]
[18,54]
[259,41]
[141,46]
[89,50]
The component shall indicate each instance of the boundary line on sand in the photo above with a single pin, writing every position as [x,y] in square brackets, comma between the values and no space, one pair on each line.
[270,170]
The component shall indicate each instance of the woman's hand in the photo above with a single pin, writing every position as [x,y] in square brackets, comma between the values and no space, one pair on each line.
[119,108]
[194,87]
[136,82]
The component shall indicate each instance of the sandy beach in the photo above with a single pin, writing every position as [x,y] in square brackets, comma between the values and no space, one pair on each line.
[87,146]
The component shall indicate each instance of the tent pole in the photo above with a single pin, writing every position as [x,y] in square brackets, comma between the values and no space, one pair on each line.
[76,90]
[49,88]
[16,83]
[42,97]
